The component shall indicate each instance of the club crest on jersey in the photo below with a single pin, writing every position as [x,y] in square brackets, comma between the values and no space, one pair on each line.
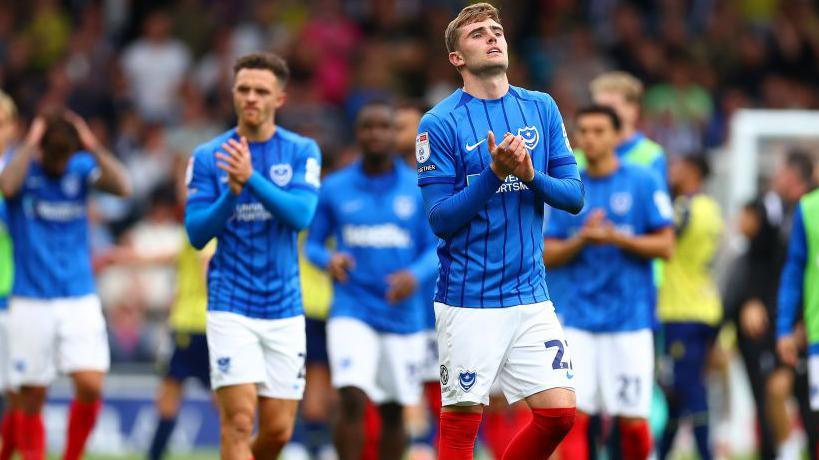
[70,184]
[404,207]
[530,136]
[281,174]
[620,202]
[467,379]
[224,364]
[422,147]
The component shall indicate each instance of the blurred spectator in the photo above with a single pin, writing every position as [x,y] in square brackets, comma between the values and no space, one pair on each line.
[155,66]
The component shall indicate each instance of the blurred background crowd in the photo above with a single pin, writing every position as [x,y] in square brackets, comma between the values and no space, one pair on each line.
[153,79]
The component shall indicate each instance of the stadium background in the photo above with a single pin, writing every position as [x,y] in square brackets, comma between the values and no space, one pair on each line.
[153,79]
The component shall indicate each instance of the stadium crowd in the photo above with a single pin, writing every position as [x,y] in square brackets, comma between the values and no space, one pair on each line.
[153,81]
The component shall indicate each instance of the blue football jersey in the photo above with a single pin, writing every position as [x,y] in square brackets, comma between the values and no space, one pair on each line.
[606,289]
[48,223]
[254,271]
[495,259]
[380,222]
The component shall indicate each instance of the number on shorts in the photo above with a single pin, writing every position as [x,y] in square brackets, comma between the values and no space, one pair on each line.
[303,369]
[629,389]
[558,362]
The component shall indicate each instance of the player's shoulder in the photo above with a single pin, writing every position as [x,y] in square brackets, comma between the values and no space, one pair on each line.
[440,111]
[531,95]
[81,159]
[638,174]
[340,178]
[209,147]
[299,141]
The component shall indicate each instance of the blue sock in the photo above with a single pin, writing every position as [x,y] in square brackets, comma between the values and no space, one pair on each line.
[164,429]
[701,436]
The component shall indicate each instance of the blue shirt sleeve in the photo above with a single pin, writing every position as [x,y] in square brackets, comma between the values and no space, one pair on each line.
[323,223]
[307,168]
[660,168]
[435,151]
[206,210]
[659,211]
[448,211]
[793,277]
[201,177]
[294,207]
[425,268]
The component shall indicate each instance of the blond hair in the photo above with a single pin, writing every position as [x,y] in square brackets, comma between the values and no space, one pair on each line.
[469,15]
[619,82]
[7,105]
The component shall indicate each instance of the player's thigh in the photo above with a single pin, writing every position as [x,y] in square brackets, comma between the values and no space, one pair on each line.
[32,328]
[813,381]
[234,350]
[82,338]
[399,369]
[284,347]
[585,362]
[276,417]
[354,349]
[539,358]
[472,344]
[237,406]
[627,372]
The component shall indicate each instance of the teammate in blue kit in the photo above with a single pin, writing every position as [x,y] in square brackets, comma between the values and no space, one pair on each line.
[253,188]
[385,251]
[602,284]
[56,321]
[484,195]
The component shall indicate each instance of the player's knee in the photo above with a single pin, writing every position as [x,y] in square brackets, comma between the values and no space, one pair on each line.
[88,386]
[392,416]
[276,435]
[32,399]
[353,403]
[779,385]
[239,424]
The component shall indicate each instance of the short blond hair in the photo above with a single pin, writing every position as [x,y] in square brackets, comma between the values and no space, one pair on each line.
[619,82]
[469,15]
[7,105]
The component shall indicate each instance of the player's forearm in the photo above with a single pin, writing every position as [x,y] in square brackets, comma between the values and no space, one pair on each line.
[295,208]
[113,176]
[317,253]
[558,252]
[425,268]
[448,211]
[203,222]
[561,188]
[659,244]
[15,171]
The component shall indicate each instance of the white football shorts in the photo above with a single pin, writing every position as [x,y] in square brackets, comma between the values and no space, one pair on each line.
[51,335]
[522,347]
[267,352]
[387,367]
[615,371]
[813,381]
[5,355]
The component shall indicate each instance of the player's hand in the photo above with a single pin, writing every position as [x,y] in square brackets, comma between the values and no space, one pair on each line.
[237,162]
[507,156]
[753,319]
[340,266]
[786,348]
[401,285]
[525,170]
[594,231]
[87,137]
[35,132]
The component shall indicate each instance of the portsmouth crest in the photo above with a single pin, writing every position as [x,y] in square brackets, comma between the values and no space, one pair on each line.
[281,174]
[404,207]
[71,184]
[467,379]
[530,136]
[620,202]
[224,364]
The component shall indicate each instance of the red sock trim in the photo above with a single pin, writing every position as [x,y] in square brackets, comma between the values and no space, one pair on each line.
[542,436]
[635,441]
[457,435]
[372,432]
[7,429]
[576,444]
[81,420]
[30,437]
